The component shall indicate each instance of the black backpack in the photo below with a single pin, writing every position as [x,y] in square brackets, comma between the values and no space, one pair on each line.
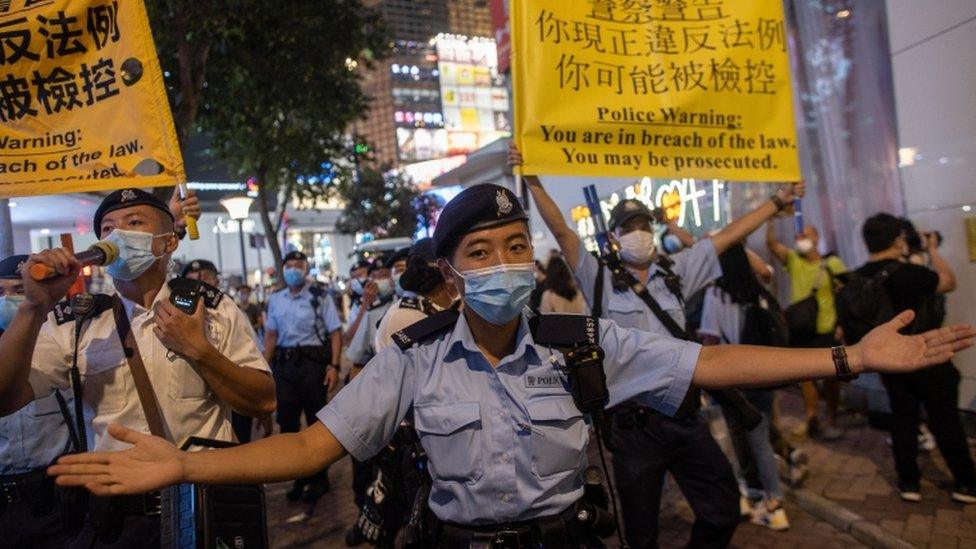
[763,323]
[864,303]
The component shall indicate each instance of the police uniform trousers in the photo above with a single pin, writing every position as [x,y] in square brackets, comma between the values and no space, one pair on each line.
[646,445]
[937,389]
[121,522]
[299,374]
[34,513]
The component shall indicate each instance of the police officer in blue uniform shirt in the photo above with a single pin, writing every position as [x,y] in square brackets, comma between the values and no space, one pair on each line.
[33,512]
[302,342]
[646,443]
[504,436]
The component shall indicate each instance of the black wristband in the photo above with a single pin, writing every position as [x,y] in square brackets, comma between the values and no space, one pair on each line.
[843,367]
[778,202]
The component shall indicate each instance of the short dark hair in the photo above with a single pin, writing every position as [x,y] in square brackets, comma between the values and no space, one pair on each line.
[881,230]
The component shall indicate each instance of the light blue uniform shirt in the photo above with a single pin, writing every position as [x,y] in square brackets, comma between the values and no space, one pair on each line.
[697,266]
[34,436]
[504,443]
[361,348]
[294,319]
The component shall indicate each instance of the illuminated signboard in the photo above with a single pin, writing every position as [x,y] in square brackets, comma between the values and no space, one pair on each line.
[415,145]
[473,98]
[698,206]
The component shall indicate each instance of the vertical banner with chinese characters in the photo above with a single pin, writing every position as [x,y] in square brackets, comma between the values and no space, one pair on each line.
[660,88]
[82,102]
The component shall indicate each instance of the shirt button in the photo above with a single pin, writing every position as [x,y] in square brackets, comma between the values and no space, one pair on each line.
[506,498]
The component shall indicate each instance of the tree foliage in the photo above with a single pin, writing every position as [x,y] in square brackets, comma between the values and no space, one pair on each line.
[383,205]
[275,86]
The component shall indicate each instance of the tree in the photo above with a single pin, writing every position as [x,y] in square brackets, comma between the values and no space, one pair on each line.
[382,205]
[274,86]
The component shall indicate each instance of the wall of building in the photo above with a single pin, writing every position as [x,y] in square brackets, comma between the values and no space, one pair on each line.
[935,87]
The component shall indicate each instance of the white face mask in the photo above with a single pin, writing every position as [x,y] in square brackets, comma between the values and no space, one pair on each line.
[804,246]
[135,253]
[636,247]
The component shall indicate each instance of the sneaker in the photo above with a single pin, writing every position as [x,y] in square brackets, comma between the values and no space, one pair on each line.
[926,442]
[745,508]
[774,520]
[964,494]
[910,493]
[798,457]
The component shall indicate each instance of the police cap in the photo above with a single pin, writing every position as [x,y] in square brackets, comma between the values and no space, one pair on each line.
[199,265]
[126,198]
[295,255]
[399,255]
[625,210]
[475,208]
[10,267]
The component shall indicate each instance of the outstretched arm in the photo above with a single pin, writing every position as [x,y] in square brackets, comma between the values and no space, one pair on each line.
[883,350]
[747,224]
[569,242]
[777,248]
[152,463]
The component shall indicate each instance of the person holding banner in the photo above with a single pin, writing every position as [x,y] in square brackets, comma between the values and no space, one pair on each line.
[491,400]
[646,443]
[187,359]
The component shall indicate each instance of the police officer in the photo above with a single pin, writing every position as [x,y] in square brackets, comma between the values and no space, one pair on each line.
[504,436]
[425,292]
[359,290]
[33,512]
[198,365]
[646,443]
[380,292]
[302,341]
[203,270]
[398,263]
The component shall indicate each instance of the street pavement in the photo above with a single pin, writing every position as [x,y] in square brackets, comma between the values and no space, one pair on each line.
[852,475]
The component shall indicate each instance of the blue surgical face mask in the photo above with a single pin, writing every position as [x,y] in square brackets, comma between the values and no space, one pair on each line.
[672,244]
[8,308]
[385,286]
[294,276]
[499,293]
[135,253]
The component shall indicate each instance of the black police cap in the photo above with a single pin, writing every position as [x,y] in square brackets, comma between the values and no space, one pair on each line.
[475,208]
[625,210]
[126,198]
[199,265]
[295,255]
[399,255]
[361,264]
[10,267]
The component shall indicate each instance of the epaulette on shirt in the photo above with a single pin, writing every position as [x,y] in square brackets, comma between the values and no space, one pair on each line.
[564,331]
[417,304]
[425,329]
[64,312]
[211,295]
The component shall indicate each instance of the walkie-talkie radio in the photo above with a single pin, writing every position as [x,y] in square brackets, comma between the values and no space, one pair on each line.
[185,294]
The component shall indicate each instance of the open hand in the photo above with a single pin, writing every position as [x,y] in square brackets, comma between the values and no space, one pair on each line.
[182,333]
[44,294]
[884,350]
[152,463]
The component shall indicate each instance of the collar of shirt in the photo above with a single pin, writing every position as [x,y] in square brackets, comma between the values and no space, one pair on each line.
[304,293]
[462,342]
[133,309]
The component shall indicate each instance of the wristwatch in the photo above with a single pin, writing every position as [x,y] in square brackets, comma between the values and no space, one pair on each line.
[843,367]
[779,202]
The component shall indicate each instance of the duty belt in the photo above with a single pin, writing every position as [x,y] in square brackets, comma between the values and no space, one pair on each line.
[301,351]
[32,487]
[554,531]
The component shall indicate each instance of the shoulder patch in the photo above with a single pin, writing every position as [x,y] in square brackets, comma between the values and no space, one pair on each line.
[426,329]
[64,311]
[410,303]
[561,330]
[211,296]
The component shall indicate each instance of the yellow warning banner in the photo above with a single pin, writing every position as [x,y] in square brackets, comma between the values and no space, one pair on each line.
[82,102]
[660,88]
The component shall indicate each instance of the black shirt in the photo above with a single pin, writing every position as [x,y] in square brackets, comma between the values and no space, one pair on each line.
[910,287]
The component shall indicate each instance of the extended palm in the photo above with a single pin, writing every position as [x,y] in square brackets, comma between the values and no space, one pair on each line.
[150,464]
[885,350]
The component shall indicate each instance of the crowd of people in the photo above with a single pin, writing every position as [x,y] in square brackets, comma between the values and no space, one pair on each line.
[457,375]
